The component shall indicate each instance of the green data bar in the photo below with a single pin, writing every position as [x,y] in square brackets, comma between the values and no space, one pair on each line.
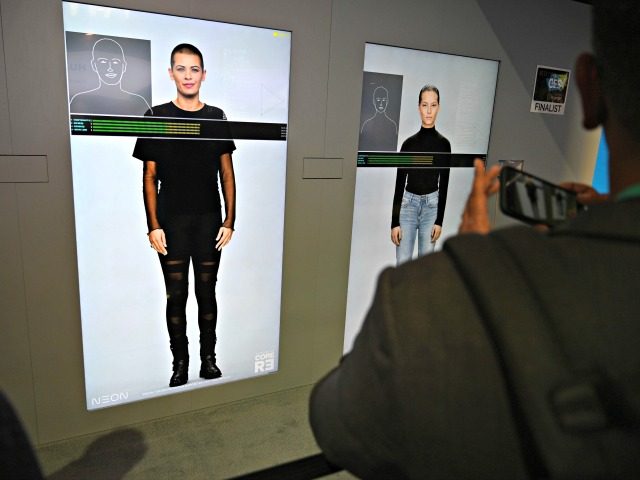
[416,160]
[138,130]
[132,126]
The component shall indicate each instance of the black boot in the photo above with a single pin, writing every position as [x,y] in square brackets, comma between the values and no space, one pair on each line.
[179,345]
[208,368]
[180,370]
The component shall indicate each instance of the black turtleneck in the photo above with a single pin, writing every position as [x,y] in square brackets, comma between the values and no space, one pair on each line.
[421,181]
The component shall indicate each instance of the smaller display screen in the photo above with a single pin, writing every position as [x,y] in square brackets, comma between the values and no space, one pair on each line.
[425,116]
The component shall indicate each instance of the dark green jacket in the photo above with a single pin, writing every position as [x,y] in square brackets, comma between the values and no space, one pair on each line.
[503,356]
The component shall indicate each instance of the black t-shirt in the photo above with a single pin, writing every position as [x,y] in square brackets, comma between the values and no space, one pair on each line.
[187,170]
[421,181]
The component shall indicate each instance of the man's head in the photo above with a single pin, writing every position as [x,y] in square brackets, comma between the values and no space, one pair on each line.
[380,99]
[108,61]
[429,105]
[610,79]
[187,70]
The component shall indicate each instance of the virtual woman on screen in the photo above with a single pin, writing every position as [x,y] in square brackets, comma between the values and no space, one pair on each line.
[183,207]
[420,194]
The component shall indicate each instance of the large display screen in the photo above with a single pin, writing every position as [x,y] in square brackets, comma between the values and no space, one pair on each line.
[424,117]
[118,69]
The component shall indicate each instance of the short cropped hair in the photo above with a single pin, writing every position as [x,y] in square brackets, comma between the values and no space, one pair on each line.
[616,45]
[187,48]
[429,88]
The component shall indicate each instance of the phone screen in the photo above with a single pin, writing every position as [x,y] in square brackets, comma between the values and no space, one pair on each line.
[533,200]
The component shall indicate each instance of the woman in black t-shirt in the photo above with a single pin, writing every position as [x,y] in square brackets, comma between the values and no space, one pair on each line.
[183,207]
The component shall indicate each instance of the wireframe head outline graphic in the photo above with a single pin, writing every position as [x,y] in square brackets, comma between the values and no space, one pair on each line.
[108,61]
[380,99]
[379,123]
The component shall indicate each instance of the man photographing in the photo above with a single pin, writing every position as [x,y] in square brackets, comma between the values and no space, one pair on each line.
[537,377]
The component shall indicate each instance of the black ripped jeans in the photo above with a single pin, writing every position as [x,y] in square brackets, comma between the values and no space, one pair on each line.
[191,238]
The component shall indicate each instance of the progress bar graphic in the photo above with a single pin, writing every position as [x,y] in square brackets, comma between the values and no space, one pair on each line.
[160,127]
[417,160]
[383,159]
[110,127]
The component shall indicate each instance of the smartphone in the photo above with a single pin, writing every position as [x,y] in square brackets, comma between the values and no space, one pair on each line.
[534,200]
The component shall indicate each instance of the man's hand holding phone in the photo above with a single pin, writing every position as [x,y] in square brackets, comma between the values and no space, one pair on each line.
[585,194]
[475,218]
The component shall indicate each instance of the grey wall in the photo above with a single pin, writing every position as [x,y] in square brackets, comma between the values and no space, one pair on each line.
[40,325]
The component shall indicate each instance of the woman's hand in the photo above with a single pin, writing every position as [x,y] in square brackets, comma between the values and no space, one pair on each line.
[158,241]
[396,236]
[436,230]
[223,238]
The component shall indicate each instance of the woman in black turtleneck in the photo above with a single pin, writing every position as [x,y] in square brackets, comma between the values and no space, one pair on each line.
[421,193]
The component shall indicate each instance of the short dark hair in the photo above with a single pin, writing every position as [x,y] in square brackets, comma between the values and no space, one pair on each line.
[429,88]
[187,48]
[616,44]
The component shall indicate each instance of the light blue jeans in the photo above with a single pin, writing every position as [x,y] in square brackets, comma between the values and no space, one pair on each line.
[417,214]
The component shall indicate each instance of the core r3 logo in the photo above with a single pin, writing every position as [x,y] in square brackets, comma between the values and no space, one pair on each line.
[264,362]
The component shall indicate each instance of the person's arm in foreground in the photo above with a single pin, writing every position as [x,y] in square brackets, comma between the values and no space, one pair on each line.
[475,217]
[350,408]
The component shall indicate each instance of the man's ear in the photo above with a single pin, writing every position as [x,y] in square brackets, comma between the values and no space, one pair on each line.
[594,108]
[93,66]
